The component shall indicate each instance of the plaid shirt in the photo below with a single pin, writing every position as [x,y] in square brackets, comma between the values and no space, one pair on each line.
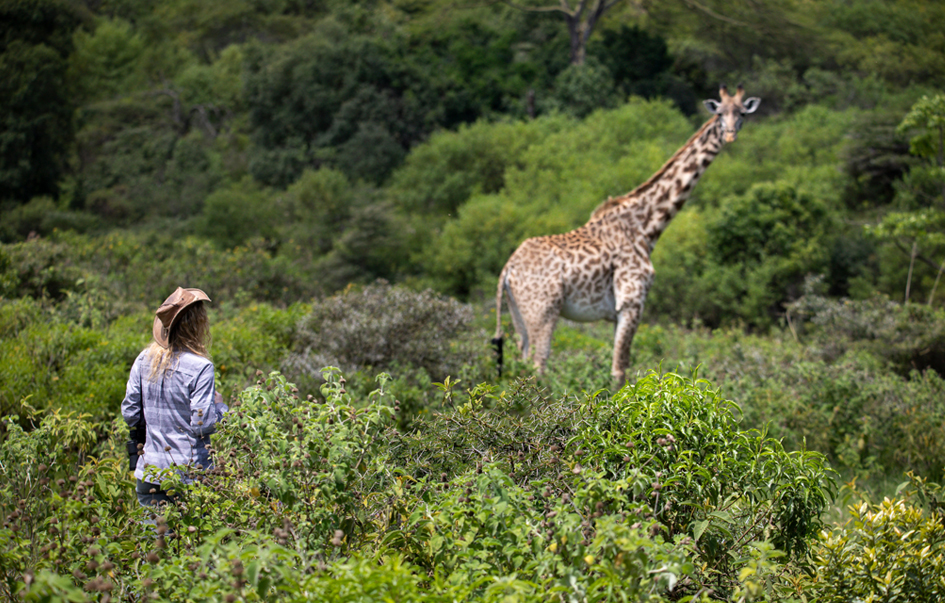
[179,410]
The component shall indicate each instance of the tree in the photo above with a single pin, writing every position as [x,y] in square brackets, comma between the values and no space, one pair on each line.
[326,98]
[35,104]
[760,247]
[923,229]
[929,115]
[580,19]
[911,232]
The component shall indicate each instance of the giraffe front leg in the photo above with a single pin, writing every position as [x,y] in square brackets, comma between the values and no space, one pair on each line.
[631,283]
[627,321]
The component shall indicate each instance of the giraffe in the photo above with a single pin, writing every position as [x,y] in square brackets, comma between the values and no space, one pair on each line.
[602,270]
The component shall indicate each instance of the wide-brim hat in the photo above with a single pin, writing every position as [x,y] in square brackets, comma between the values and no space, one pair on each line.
[167,314]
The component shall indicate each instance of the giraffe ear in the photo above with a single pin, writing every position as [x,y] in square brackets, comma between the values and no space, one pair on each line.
[712,106]
[750,105]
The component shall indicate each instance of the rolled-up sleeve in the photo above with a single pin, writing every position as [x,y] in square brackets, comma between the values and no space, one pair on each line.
[131,407]
[203,411]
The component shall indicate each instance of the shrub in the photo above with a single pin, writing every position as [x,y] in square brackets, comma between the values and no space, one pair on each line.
[890,551]
[50,363]
[907,336]
[761,247]
[581,89]
[247,338]
[62,508]
[316,462]
[288,471]
[508,494]
[667,451]
[707,478]
[38,268]
[141,268]
[232,216]
[381,326]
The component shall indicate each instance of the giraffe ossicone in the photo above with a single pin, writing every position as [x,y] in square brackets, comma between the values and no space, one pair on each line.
[602,270]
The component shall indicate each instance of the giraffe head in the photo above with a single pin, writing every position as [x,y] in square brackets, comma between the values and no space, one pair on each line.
[731,110]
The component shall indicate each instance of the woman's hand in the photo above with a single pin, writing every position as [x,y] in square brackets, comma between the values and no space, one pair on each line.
[218,402]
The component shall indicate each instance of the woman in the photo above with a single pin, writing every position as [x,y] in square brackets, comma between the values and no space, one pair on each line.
[171,387]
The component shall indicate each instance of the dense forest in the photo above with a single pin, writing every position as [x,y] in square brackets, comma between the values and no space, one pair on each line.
[347,179]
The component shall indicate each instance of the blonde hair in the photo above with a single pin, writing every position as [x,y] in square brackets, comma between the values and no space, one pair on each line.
[190,332]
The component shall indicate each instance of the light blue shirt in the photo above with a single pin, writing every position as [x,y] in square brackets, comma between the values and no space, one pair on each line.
[179,410]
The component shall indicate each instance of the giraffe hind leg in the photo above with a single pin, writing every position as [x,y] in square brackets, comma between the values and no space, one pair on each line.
[518,322]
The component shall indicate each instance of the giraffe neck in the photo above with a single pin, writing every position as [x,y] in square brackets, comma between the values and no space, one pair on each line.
[655,202]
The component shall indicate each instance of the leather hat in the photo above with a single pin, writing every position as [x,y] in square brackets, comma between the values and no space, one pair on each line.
[171,308]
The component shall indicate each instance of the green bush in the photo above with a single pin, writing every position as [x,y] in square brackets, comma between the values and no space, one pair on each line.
[48,363]
[381,326]
[581,89]
[124,271]
[247,338]
[234,215]
[867,420]
[41,216]
[62,507]
[890,551]
[667,451]
[761,247]
[907,336]
[38,268]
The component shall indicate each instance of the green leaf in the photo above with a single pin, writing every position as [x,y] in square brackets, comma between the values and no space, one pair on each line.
[698,528]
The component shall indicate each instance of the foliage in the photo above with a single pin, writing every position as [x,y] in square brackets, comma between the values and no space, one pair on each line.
[250,338]
[315,462]
[656,487]
[581,89]
[898,44]
[235,215]
[334,98]
[829,393]
[645,452]
[888,551]
[722,486]
[928,114]
[35,120]
[415,141]
[124,269]
[907,336]
[877,159]
[445,171]
[105,61]
[761,248]
[40,216]
[61,507]
[380,326]
[743,261]
[639,62]
[916,230]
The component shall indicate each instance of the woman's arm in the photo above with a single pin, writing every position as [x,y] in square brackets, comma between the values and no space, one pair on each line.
[204,412]
[132,410]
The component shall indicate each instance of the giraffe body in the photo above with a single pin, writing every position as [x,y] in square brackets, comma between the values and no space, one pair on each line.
[602,270]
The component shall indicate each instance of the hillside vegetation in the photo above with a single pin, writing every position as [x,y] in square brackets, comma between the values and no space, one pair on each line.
[346,181]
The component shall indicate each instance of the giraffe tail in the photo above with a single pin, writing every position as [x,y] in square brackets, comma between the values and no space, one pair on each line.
[499,339]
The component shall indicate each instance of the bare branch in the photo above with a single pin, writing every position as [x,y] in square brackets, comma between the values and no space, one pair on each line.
[538,9]
[922,258]
[714,14]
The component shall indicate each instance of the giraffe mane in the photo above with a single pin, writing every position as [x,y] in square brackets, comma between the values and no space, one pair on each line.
[613,202]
